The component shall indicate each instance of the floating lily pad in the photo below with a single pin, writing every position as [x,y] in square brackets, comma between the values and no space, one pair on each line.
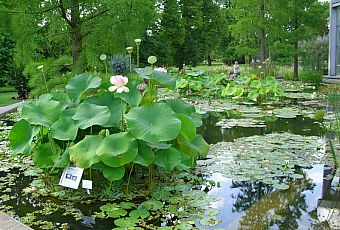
[210,221]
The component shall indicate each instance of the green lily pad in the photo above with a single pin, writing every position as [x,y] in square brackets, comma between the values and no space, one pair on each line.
[212,212]
[210,221]
[281,186]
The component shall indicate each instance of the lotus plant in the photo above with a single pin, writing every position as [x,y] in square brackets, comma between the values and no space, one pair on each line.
[119,83]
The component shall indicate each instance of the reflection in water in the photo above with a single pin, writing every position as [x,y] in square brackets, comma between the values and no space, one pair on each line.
[246,205]
[213,134]
[286,206]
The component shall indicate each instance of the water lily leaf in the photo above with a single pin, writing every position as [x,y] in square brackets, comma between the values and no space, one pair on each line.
[197,147]
[145,155]
[281,186]
[83,154]
[210,221]
[113,104]
[88,115]
[164,79]
[153,205]
[168,158]
[188,128]
[42,112]
[153,123]
[21,137]
[286,113]
[109,207]
[139,213]
[126,223]
[113,174]
[184,226]
[116,213]
[79,84]
[46,155]
[212,212]
[118,149]
[64,129]
[127,205]
[296,176]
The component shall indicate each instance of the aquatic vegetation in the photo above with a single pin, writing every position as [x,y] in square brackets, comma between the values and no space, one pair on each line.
[95,129]
[265,158]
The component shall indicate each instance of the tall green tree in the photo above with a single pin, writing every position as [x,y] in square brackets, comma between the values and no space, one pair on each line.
[252,26]
[86,28]
[300,20]
[214,28]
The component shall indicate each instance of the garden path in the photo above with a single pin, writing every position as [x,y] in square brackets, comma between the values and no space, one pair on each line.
[8,109]
[8,223]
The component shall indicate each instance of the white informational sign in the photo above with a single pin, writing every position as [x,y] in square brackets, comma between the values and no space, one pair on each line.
[87,184]
[71,177]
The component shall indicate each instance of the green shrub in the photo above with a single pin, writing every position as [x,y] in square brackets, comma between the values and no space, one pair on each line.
[48,76]
[310,77]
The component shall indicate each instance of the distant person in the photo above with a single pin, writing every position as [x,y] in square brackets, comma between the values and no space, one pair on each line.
[236,69]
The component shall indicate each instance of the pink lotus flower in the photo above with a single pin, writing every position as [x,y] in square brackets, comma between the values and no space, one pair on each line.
[119,83]
[161,69]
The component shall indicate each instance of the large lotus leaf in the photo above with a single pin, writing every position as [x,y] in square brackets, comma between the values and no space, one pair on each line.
[21,137]
[168,158]
[228,91]
[63,161]
[64,100]
[188,128]
[79,84]
[153,123]
[68,113]
[242,80]
[88,115]
[253,94]
[118,149]
[42,112]
[134,96]
[46,155]
[187,162]
[64,129]
[145,155]
[255,84]
[182,83]
[181,107]
[83,154]
[113,174]
[197,147]
[239,90]
[114,105]
[164,79]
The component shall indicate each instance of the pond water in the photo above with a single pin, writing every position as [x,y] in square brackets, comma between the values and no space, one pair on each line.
[243,204]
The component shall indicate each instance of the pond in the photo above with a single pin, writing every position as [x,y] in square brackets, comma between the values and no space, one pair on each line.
[264,171]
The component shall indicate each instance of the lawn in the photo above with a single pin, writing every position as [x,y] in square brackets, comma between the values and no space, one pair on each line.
[5,98]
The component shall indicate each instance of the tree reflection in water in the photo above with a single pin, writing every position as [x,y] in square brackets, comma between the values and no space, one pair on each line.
[264,207]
